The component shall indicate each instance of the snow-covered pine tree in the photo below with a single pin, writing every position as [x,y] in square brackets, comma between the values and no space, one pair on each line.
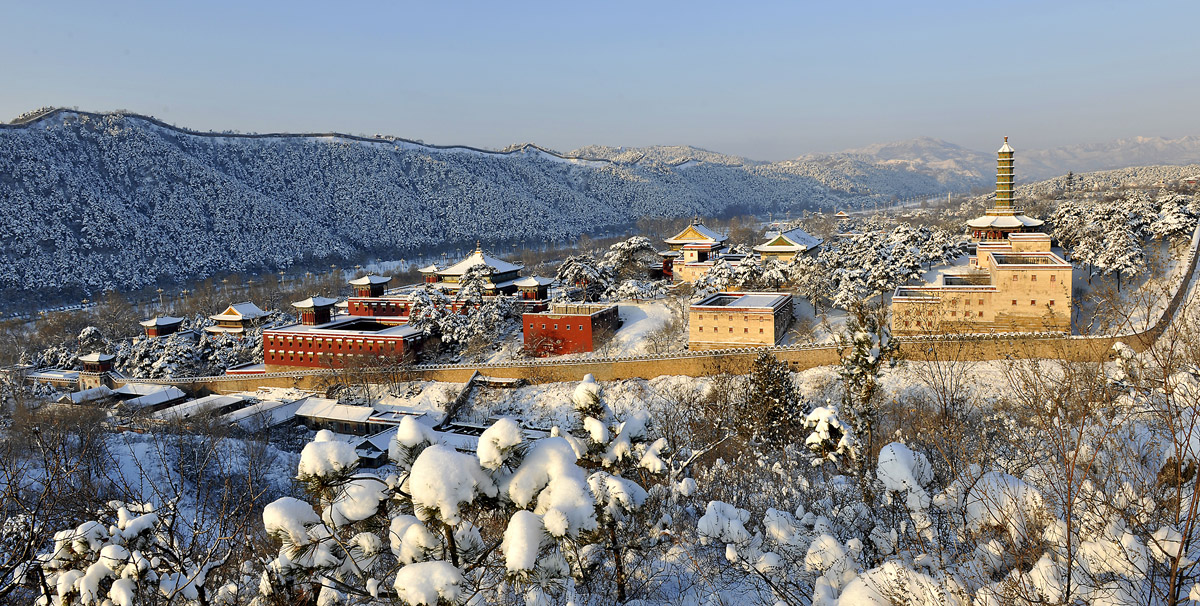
[866,350]
[1121,253]
[774,407]
[582,271]
[618,451]
[445,526]
[628,259]
[721,276]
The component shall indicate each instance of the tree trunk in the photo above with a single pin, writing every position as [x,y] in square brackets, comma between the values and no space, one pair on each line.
[619,563]
[449,532]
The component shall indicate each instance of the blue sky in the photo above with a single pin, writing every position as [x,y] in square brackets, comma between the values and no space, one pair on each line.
[765,80]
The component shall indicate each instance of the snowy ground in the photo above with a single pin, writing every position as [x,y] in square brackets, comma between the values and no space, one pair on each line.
[1143,294]
[421,396]
[637,320]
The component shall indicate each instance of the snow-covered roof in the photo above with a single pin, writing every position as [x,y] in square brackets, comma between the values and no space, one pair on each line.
[96,357]
[755,300]
[227,329]
[533,281]
[314,302]
[479,258]
[841,214]
[429,269]
[240,311]
[153,394]
[793,240]
[696,232]
[198,406]
[161,321]
[1004,221]
[370,279]
[342,327]
[267,413]
[1007,149]
[90,395]
[328,409]
[53,374]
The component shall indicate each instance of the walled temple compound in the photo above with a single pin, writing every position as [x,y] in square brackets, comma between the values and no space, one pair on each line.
[374,329]
[1013,283]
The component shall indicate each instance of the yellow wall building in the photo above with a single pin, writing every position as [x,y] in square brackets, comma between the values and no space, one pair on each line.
[739,319]
[692,252]
[1017,286]
[784,246]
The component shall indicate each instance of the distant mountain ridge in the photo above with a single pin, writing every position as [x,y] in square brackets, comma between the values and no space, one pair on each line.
[929,156]
[94,201]
[97,201]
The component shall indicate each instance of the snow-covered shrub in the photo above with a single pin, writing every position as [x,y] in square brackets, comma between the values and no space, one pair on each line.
[126,556]
[427,533]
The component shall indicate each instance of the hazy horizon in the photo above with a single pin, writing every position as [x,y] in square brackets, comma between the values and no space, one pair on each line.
[772,82]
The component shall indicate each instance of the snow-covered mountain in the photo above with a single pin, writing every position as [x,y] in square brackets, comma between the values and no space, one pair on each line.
[1119,153]
[936,157]
[90,202]
[666,154]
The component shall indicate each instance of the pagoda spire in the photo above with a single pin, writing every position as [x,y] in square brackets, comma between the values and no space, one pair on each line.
[1005,177]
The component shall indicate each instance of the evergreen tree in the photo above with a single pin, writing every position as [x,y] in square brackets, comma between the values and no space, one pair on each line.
[866,349]
[582,271]
[774,412]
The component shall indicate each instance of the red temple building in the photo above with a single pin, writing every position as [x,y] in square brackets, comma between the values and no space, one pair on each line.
[370,286]
[161,326]
[501,281]
[323,340]
[392,307]
[569,328]
[533,288]
[374,328]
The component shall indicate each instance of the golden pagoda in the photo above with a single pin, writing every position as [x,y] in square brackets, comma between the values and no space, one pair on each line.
[1002,218]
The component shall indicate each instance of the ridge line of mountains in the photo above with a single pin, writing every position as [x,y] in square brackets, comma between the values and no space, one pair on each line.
[97,201]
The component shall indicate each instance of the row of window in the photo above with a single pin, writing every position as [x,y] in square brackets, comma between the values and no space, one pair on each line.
[291,356]
[909,312]
[329,343]
[717,317]
[555,326]
[1033,277]
[745,330]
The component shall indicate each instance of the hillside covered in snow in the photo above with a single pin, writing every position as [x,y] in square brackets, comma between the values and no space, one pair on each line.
[91,202]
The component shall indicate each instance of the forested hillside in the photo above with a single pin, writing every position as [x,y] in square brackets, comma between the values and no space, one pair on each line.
[91,202]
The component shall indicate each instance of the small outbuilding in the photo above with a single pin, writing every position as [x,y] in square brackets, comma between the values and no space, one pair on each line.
[161,326]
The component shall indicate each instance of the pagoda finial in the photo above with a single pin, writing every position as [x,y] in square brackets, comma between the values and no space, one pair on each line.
[695,219]
[479,248]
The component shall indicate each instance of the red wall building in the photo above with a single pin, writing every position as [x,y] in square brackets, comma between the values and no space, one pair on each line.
[569,328]
[161,326]
[339,343]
